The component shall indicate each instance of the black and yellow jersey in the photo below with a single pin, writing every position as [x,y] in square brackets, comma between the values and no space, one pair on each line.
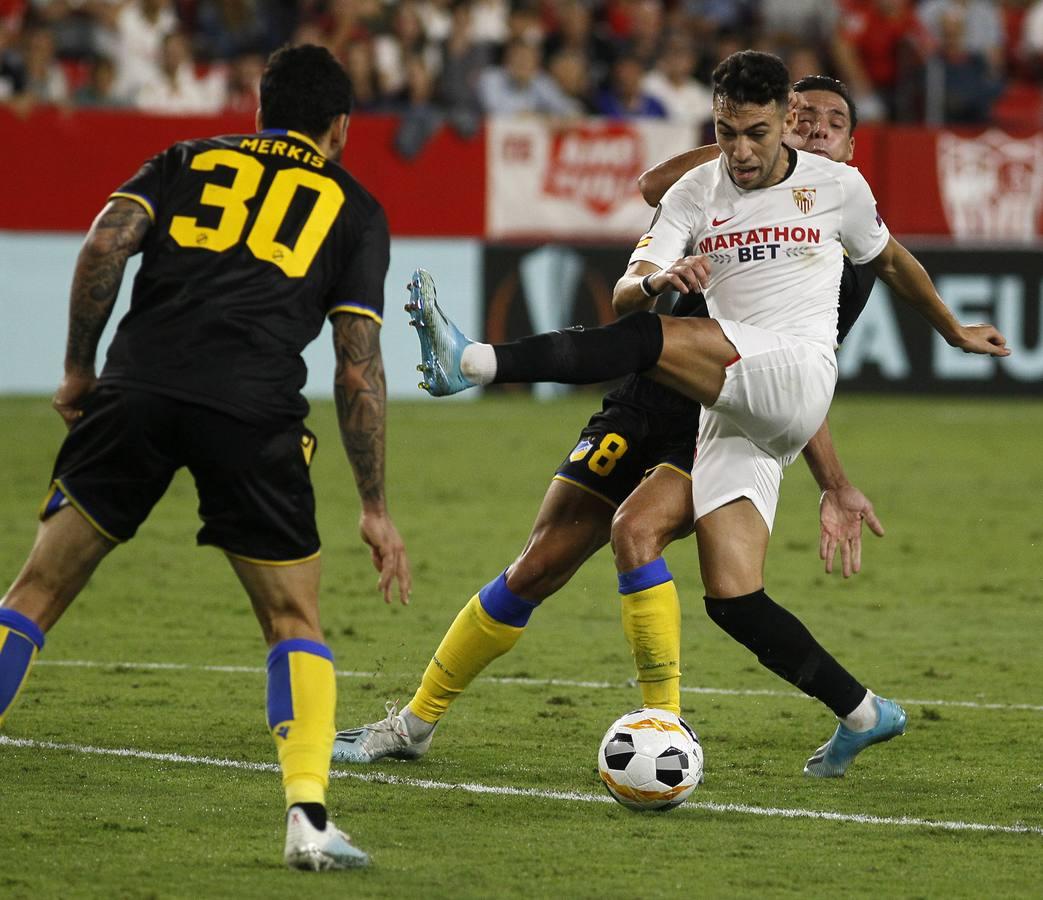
[255,240]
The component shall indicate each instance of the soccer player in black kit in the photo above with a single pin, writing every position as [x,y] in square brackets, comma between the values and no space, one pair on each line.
[627,481]
[249,243]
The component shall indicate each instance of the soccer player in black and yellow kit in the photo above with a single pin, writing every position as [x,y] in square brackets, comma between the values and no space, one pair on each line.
[628,482]
[249,243]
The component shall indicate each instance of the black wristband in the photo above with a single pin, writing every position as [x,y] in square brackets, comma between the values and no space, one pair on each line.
[646,287]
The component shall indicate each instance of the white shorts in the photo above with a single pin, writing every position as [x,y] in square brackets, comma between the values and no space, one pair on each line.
[775,397]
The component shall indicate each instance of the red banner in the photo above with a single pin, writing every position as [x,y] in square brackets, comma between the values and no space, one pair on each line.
[61,166]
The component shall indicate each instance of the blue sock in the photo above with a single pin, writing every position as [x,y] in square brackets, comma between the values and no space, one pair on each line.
[20,640]
[644,577]
[502,604]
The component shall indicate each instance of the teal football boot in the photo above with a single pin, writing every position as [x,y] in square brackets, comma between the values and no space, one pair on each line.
[832,758]
[441,342]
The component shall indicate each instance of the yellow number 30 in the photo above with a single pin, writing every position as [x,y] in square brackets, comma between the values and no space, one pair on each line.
[294,261]
[604,459]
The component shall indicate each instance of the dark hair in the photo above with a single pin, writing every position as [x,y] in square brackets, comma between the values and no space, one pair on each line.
[826,83]
[304,89]
[750,76]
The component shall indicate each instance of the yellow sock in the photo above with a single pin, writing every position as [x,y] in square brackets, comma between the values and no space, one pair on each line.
[652,625]
[302,700]
[20,641]
[473,641]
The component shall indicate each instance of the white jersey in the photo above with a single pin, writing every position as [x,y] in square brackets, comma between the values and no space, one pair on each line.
[776,253]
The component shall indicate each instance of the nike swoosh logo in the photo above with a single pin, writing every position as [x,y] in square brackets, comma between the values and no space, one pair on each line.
[718,222]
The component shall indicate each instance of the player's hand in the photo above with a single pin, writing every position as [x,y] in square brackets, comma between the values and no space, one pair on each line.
[981,339]
[686,275]
[388,554]
[73,390]
[841,513]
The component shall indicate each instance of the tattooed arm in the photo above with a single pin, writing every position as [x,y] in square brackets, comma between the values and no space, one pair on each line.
[115,236]
[360,394]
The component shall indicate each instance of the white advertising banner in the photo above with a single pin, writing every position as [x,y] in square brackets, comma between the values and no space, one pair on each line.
[575,180]
[36,270]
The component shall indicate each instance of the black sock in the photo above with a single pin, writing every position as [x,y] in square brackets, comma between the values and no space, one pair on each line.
[582,355]
[784,645]
[315,812]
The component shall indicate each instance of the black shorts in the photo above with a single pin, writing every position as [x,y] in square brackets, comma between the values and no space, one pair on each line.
[641,426]
[255,494]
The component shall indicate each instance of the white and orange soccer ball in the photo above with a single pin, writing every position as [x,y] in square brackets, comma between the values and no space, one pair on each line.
[650,759]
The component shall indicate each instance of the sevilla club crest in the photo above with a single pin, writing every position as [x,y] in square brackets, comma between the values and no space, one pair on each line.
[804,198]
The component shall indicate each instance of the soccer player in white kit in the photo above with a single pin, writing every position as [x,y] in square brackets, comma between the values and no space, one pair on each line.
[761,232]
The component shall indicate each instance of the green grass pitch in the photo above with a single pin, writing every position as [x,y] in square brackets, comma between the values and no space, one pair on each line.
[160,659]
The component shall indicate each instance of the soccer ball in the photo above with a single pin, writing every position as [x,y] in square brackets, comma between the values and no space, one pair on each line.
[650,759]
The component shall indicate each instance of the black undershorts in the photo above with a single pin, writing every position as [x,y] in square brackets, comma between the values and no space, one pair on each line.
[641,426]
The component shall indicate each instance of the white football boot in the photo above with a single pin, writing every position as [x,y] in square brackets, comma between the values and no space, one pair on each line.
[389,737]
[312,850]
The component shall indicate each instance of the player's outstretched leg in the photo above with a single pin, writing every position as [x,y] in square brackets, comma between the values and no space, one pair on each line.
[833,757]
[485,629]
[451,362]
[571,525]
[441,343]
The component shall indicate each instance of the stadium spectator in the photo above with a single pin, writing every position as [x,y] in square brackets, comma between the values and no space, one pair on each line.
[711,18]
[243,89]
[803,62]
[978,21]
[225,29]
[574,31]
[969,86]
[12,64]
[436,16]
[643,38]
[360,65]
[625,96]
[12,12]
[1031,46]
[99,88]
[569,70]
[71,22]
[876,41]
[419,117]
[463,60]
[34,72]
[524,23]
[785,24]
[519,86]
[177,90]
[673,84]
[132,36]
[489,21]
[393,50]
[337,23]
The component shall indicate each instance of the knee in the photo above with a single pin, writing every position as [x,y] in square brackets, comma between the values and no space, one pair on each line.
[636,540]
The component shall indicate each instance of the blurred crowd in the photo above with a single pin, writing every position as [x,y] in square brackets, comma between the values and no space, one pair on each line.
[437,61]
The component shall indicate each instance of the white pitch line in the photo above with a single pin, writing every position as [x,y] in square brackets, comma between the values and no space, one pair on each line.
[534,793]
[529,682]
